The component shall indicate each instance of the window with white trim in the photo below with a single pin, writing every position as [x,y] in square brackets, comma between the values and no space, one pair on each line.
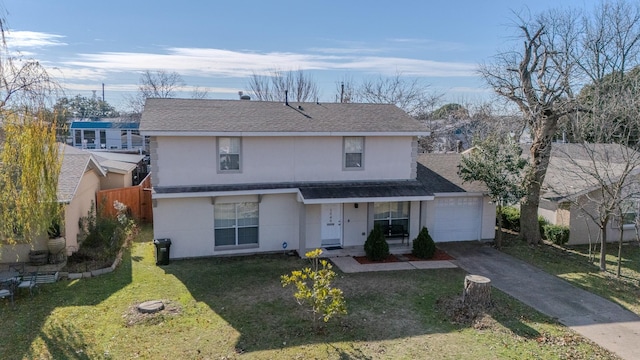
[353,152]
[229,154]
[236,224]
[387,214]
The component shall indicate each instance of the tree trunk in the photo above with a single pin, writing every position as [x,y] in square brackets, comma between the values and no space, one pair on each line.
[499,233]
[603,246]
[477,291]
[538,162]
[620,250]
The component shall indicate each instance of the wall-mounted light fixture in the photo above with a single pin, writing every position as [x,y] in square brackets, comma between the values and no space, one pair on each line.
[355,205]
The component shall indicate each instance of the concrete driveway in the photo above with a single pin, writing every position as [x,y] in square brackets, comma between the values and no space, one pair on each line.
[598,319]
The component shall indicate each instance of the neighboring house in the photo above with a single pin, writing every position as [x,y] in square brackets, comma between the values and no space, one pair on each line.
[238,176]
[121,161]
[82,175]
[109,135]
[569,182]
[78,183]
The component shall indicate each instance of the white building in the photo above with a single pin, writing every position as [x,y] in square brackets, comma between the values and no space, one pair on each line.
[237,176]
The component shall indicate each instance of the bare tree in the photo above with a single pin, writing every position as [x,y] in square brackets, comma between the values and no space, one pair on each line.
[537,78]
[199,93]
[155,84]
[346,90]
[300,87]
[409,95]
[607,173]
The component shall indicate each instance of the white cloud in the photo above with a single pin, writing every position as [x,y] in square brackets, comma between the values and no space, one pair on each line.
[227,63]
[32,39]
[77,73]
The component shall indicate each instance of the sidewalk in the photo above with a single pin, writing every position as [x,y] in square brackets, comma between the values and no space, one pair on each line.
[343,259]
[600,320]
[348,264]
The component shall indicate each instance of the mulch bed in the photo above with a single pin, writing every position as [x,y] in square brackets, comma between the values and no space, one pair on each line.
[439,255]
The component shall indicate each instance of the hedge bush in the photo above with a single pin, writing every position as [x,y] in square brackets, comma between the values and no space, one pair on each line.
[376,246]
[557,234]
[511,218]
[542,222]
[423,246]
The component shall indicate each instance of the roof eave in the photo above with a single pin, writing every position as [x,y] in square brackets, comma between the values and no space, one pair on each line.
[282,133]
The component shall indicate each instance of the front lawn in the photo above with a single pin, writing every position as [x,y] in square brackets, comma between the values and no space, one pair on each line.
[236,308]
[574,264]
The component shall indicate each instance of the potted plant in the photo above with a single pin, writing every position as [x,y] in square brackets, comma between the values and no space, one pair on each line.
[56,242]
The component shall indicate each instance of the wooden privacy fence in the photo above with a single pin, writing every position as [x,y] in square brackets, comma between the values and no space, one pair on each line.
[137,198]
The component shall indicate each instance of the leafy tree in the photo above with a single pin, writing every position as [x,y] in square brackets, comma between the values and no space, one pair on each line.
[28,177]
[29,162]
[313,285]
[451,110]
[83,107]
[498,165]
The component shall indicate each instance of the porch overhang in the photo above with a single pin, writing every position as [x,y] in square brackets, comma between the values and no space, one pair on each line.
[310,192]
[364,192]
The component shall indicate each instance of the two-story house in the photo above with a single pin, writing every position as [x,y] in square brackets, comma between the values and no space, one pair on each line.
[239,176]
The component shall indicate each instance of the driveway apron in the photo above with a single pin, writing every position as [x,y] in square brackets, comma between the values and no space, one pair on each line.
[600,320]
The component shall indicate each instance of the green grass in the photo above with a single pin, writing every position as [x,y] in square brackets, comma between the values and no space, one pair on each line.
[236,308]
[574,264]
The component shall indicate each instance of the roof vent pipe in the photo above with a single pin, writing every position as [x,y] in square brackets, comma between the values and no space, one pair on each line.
[243,97]
[286,97]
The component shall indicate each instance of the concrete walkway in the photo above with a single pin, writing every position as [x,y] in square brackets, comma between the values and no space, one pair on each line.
[598,319]
[348,264]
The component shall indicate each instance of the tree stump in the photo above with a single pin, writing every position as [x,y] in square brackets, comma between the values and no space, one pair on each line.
[477,291]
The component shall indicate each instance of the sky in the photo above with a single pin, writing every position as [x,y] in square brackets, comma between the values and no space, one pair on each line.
[217,45]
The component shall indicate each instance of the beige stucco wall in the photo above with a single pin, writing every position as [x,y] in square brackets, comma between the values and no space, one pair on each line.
[189,224]
[583,229]
[115,181]
[354,224]
[312,226]
[79,207]
[193,161]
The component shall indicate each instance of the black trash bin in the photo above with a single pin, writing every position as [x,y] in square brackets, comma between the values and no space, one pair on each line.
[162,251]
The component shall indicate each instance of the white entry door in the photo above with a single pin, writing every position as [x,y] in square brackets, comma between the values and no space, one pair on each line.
[331,227]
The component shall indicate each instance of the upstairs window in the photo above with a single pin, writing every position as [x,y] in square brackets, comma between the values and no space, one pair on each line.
[229,154]
[353,152]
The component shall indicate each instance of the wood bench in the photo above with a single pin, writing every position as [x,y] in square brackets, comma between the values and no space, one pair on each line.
[395,231]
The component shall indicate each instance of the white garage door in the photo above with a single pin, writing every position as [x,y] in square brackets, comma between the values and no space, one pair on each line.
[457,219]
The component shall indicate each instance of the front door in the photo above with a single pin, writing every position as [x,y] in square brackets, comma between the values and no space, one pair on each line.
[331,227]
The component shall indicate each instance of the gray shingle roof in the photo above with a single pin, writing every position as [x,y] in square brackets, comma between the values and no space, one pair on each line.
[572,166]
[205,115]
[75,163]
[315,190]
[441,170]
